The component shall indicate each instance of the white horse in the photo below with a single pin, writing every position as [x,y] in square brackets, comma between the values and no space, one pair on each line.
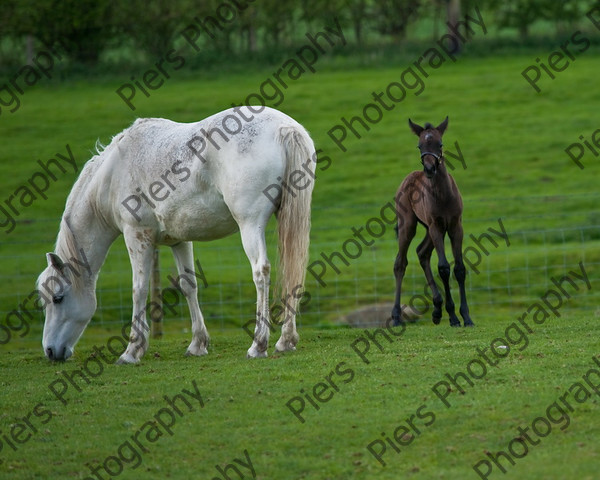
[165,183]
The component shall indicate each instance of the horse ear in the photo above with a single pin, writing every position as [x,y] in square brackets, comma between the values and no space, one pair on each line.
[442,126]
[55,261]
[417,129]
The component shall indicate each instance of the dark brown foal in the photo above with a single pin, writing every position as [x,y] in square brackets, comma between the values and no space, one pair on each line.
[431,198]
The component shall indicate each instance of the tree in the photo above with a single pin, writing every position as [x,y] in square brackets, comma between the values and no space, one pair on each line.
[392,17]
[153,25]
[277,19]
[519,14]
[82,27]
[358,12]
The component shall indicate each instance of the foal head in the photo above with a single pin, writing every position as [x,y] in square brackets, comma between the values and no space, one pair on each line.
[430,145]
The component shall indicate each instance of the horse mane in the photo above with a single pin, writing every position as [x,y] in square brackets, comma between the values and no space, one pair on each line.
[67,249]
[66,246]
[429,126]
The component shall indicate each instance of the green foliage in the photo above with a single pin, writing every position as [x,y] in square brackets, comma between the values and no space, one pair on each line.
[83,28]
[394,16]
[92,31]
[522,14]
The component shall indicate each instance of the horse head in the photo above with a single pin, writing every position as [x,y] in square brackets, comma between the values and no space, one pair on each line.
[430,145]
[69,303]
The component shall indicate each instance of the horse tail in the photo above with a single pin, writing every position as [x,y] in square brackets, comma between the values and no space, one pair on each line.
[293,217]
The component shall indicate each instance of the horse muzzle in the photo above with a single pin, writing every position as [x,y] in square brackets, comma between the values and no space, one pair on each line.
[58,354]
[430,168]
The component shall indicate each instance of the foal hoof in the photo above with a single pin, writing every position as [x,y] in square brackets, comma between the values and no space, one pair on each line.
[469,324]
[436,320]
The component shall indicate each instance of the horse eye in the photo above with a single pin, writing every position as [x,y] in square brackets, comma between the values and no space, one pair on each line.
[57,299]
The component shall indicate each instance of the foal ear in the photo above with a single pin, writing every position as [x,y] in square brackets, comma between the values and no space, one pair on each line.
[442,126]
[417,129]
[55,261]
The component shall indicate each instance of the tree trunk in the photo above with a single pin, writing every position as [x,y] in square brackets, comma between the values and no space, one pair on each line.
[453,15]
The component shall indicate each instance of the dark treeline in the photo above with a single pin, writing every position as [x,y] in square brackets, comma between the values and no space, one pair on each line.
[87,29]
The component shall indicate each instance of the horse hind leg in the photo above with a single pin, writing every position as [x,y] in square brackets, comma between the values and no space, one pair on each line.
[437,237]
[460,273]
[253,240]
[187,284]
[444,271]
[289,335]
[424,251]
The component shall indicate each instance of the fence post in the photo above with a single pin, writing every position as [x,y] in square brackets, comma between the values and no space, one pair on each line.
[156,314]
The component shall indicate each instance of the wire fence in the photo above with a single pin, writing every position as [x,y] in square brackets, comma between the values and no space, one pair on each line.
[505,275]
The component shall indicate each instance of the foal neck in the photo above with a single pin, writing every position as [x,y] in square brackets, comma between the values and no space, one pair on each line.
[442,181]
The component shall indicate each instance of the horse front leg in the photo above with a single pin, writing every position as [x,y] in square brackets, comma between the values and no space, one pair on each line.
[424,251]
[406,232]
[437,237]
[141,251]
[460,272]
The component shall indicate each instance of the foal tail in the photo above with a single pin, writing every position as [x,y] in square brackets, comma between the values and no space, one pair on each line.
[293,216]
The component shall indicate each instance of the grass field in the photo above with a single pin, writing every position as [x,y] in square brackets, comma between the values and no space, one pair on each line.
[513,141]
[244,407]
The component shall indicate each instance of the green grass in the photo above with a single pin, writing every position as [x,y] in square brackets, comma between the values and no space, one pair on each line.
[513,141]
[245,406]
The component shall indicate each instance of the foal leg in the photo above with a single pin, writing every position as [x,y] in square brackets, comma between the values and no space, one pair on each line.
[253,240]
[437,237]
[424,251]
[187,284]
[141,252]
[406,233]
[460,273]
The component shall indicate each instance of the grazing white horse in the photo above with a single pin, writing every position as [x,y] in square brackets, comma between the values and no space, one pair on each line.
[165,183]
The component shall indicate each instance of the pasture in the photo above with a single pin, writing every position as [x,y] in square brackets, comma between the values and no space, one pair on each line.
[512,140]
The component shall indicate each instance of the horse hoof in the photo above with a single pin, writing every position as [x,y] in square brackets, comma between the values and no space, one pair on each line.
[455,325]
[253,353]
[127,359]
[436,320]
[397,321]
[287,349]
[469,324]
[196,352]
